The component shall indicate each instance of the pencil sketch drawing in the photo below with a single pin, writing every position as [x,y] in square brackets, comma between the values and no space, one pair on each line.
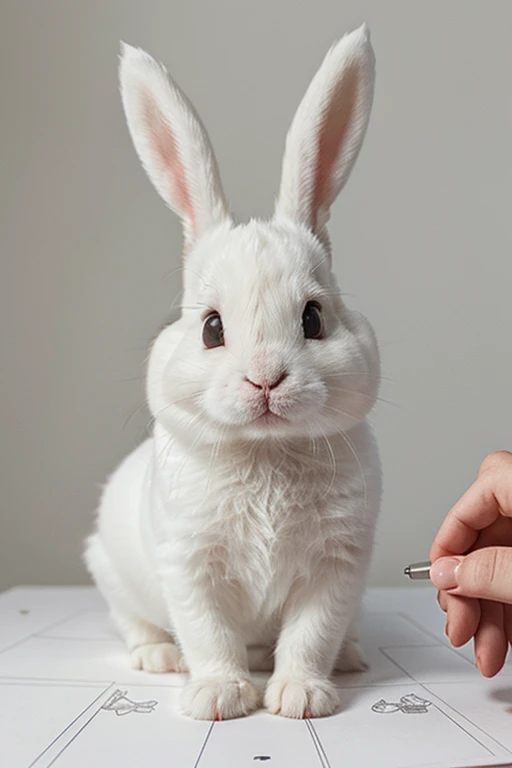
[410,705]
[122,705]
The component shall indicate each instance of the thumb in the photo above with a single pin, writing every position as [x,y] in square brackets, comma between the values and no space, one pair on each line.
[485,573]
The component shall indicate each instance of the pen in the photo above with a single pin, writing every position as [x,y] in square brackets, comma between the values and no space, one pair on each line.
[418,570]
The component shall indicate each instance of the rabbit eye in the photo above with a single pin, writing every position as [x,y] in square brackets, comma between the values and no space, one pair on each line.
[312,321]
[213,332]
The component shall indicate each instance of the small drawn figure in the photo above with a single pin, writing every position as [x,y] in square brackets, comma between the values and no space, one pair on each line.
[409,704]
[382,707]
[412,704]
[122,705]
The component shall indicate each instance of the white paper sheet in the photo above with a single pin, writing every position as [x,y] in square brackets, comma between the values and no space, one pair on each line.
[69,699]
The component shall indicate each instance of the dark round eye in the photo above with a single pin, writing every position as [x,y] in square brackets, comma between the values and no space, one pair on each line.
[312,321]
[213,332]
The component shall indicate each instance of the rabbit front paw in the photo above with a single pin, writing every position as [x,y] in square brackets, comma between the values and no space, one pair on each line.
[158,657]
[300,698]
[219,698]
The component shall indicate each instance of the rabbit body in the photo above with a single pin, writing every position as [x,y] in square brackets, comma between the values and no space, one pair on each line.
[240,534]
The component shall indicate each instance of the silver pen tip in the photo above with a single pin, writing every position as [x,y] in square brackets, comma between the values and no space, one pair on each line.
[407,570]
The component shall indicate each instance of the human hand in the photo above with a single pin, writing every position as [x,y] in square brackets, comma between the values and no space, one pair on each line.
[474,574]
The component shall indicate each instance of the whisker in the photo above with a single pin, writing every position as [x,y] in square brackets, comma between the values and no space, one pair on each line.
[184,268]
[368,397]
[356,457]
[314,446]
[346,439]
[213,456]
[178,294]
[172,439]
[138,409]
[335,292]
[356,373]
[149,424]
[195,365]
[162,410]
[190,450]
[165,449]
[342,413]
[333,457]
[321,263]
[124,381]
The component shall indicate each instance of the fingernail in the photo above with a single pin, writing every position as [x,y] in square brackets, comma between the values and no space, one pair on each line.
[444,572]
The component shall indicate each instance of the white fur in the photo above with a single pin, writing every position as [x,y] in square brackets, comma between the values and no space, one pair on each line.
[230,533]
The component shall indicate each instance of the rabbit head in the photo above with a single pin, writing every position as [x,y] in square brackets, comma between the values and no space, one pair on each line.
[265,346]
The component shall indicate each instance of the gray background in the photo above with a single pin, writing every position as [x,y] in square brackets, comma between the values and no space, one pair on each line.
[422,240]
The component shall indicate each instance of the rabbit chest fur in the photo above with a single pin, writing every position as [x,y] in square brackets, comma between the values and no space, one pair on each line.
[254,523]
[264,516]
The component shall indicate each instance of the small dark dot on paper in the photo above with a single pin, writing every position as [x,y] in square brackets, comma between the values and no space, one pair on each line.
[24,611]
[261,757]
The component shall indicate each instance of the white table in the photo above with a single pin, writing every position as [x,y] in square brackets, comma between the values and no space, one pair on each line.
[68,697]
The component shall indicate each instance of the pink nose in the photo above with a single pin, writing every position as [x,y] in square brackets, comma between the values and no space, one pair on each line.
[267,386]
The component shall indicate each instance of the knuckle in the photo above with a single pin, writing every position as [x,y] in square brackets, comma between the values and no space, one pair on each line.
[484,567]
[495,459]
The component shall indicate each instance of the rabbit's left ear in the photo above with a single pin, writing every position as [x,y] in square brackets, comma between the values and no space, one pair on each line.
[327,132]
[172,143]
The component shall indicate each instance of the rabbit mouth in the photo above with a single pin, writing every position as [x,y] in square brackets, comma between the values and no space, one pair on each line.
[269,417]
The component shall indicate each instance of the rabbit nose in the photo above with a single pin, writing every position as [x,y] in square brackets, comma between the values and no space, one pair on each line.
[268,386]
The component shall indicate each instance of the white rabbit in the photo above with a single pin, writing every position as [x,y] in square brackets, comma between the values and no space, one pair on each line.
[240,533]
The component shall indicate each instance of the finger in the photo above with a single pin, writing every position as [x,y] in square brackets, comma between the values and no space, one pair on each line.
[489,497]
[497,460]
[484,573]
[490,640]
[442,600]
[463,618]
[499,534]
[508,622]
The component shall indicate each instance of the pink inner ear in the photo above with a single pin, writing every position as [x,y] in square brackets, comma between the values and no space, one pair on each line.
[163,143]
[334,133]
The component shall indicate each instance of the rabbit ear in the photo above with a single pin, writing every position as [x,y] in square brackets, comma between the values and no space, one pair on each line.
[327,132]
[171,143]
